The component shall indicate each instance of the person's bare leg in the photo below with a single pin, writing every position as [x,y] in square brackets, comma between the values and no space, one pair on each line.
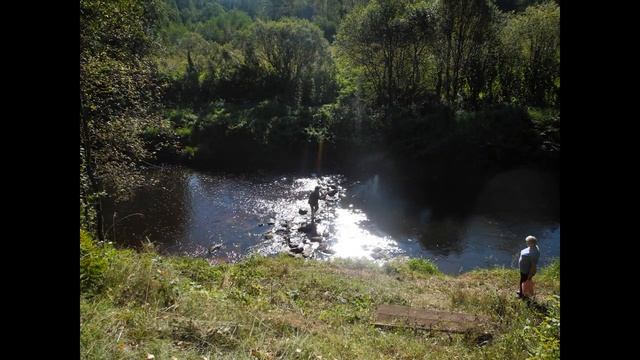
[521,292]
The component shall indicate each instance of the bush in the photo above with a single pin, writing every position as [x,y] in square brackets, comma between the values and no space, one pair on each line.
[552,271]
[551,275]
[547,124]
[423,266]
[544,340]
[411,268]
[93,264]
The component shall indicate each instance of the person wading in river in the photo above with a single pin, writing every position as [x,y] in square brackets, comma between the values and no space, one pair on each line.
[313,200]
[528,262]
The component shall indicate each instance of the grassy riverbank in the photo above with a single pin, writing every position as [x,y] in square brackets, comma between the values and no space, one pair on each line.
[134,305]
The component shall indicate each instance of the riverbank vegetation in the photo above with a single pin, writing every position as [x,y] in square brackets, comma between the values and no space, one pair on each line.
[141,304]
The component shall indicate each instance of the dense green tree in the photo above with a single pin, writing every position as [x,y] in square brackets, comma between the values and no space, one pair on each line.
[118,97]
[463,27]
[295,53]
[223,27]
[532,43]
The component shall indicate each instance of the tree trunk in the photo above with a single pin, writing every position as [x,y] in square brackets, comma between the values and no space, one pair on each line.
[439,84]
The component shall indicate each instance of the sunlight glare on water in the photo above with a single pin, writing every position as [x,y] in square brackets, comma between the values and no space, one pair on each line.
[305,184]
[354,241]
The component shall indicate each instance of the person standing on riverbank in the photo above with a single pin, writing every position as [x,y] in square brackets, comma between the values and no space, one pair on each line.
[528,262]
[313,200]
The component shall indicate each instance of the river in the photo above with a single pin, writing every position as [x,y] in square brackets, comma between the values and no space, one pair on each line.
[224,217]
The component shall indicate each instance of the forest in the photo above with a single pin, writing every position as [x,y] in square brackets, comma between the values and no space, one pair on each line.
[439,93]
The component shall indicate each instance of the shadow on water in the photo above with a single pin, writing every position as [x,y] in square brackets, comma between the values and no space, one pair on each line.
[158,210]
[490,223]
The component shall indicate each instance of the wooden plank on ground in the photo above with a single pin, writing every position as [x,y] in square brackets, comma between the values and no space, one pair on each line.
[405,316]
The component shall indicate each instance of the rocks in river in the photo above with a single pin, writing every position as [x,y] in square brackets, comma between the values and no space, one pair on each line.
[302,212]
[297,249]
[332,192]
[378,253]
[268,235]
[316,238]
[307,251]
[215,247]
[292,243]
[309,228]
[296,255]
[326,249]
[302,250]
[271,222]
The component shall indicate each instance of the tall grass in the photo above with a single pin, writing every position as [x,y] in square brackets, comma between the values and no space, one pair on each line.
[287,308]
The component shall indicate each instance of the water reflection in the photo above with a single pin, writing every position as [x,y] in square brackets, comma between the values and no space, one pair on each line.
[224,217]
[443,237]
[156,211]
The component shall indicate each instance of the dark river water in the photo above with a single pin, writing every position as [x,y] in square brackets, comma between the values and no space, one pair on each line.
[224,217]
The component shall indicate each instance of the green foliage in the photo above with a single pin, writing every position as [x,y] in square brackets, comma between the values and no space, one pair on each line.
[119,90]
[222,28]
[465,53]
[551,272]
[531,44]
[296,54]
[547,123]
[388,41]
[261,77]
[93,264]
[423,266]
[412,268]
[543,340]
